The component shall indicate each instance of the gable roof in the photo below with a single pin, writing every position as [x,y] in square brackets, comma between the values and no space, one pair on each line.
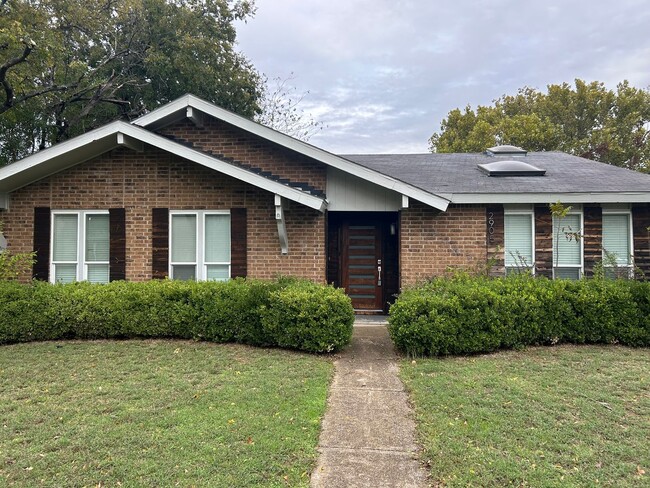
[433,179]
[568,178]
[91,144]
[186,105]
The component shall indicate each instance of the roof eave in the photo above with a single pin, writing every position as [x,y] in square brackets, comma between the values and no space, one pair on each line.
[94,143]
[176,110]
[550,197]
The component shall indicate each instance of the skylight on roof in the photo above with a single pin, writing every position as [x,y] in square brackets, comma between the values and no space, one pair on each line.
[505,149]
[510,168]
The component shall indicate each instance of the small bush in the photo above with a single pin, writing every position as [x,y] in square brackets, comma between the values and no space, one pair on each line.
[13,265]
[465,315]
[309,317]
[261,313]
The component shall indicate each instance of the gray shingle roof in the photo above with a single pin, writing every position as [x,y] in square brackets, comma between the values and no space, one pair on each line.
[458,173]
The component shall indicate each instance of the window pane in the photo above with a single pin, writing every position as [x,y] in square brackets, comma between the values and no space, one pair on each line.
[616,239]
[218,272]
[567,273]
[183,272]
[65,273]
[565,245]
[98,273]
[97,237]
[65,237]
[217,238]
[184,238]
[519,240]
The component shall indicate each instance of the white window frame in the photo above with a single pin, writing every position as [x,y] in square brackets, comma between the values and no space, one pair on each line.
[581,242]
[519,211]
[201,266]
[628,213]
[80,263]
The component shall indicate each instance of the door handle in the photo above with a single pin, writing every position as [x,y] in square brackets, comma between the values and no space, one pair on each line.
[378,275]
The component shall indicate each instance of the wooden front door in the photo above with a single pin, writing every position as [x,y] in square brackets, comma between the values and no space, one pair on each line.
[363,257]
[362,266]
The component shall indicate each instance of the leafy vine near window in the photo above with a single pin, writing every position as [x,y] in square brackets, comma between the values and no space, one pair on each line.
[13,265]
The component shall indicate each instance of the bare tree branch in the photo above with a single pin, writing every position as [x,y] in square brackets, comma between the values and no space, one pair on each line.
[9,91]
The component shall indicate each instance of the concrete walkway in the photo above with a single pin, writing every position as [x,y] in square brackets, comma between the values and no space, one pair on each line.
[368,437]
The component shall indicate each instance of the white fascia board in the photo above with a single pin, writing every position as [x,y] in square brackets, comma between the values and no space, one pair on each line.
[594,197]
[111,133]
[296,145]
[216,164]
[35,162]
[179,105]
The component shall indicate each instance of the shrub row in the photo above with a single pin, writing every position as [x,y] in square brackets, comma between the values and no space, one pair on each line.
[287,313]
[466,315]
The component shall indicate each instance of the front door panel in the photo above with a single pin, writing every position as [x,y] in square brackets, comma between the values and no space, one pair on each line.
[362,267]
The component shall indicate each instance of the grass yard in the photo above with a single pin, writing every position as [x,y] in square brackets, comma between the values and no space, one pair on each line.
[158,413]
[544,417]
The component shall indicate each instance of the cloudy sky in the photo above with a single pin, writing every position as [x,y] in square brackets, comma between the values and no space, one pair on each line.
[382,74]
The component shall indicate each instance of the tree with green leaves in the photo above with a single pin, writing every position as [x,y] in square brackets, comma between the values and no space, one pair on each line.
[587,120]
[68,66]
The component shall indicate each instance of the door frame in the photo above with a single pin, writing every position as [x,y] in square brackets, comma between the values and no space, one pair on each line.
[388,224]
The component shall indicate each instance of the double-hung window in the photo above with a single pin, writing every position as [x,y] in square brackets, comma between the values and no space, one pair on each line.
[567,246]
[519,237]
[199,245]
[80,246]
[617,242]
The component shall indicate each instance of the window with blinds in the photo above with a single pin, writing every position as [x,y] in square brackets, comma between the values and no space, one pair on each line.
[80,246]
[567,247]
[617,244]
[518,242]
[200,245]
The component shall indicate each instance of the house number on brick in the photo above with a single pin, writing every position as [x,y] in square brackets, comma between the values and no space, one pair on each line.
[491,226]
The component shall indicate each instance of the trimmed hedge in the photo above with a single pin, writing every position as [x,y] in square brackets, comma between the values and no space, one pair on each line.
[260,313]
[467,315]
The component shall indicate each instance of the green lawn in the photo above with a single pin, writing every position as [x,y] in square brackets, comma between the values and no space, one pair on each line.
[545,417]
[158,413]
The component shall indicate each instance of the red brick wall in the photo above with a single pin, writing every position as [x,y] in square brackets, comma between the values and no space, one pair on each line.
[432,242]
[139,182]
[221,138]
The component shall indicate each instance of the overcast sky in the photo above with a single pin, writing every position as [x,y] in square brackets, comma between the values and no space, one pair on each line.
[382,74]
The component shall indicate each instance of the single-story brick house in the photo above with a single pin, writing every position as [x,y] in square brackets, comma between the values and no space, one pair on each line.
[192,191]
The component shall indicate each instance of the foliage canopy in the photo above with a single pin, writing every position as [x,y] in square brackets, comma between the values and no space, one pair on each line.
[68,66]
[587,120]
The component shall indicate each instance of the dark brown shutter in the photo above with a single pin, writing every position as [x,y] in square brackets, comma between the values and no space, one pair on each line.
[160,243]
[543,241]
[333,250]
[494,232]
[641,233]
[117,218]
[238,242]
[592,238]
[42,229]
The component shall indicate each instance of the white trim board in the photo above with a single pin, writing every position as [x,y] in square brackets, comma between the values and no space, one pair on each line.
[58,158]
[505,198]
[177,110]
